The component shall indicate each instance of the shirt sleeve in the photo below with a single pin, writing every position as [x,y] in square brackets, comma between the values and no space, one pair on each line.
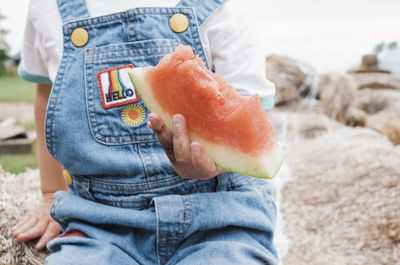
[32,67]
[236,54]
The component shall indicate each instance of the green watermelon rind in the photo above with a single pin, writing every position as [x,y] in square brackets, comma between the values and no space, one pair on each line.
[138,78]
[271,176]
[254,176]
[260,167]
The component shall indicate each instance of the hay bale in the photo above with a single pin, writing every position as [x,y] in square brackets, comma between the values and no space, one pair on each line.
[18,193]
[342,205]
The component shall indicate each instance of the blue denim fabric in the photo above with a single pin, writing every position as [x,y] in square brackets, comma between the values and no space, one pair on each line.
[125,195]
[225,220]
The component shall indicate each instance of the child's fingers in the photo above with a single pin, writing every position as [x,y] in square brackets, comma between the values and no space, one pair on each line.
[21,223]
[28,223]
[164,136]
[34,231]
[180,138]
[53,230]
[202,162]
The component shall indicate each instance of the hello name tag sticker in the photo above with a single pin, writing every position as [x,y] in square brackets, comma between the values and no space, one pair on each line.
[116,88]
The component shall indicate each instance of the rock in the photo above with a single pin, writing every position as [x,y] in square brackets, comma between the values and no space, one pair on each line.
[369,64]
[367,100]
[377,109]
[287,76]
[356,117]
[376,80]
[386,122]
[336,93]
[293,127]
[13,138]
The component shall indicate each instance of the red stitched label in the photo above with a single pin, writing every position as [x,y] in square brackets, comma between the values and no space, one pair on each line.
[116,87]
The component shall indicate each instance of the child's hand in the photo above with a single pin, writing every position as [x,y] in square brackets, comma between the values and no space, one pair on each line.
[188,159]
[38,223]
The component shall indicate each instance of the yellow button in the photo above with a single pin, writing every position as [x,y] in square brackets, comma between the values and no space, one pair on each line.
[79,37]
[179,23]
[67,177]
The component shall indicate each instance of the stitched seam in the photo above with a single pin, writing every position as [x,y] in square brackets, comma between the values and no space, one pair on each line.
[129,50]
[141,202]
[187,224]
[150,140]
[102,60]
[89,98]
[131,43]
[55,95]
[158,229]
[142,187]
[116,17]
[197,41]
[126,135]
[144,164]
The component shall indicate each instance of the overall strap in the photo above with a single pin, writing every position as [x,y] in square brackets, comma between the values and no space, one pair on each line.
[203,8]
[72,9]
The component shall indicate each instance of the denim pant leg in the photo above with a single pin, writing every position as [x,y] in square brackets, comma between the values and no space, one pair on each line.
[232,224]
[111,235]
[226,246]
[86,251]
[235,226]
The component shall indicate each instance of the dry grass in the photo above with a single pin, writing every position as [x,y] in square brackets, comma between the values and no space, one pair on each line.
[343,206]
[18,193]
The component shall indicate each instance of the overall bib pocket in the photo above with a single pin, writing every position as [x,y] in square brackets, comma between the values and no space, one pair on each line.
[116,114]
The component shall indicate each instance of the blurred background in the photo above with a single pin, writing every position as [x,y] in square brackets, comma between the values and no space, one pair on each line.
[330,35]
[326,36]
[336,66]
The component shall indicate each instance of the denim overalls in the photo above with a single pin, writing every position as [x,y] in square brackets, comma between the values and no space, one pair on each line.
[124,195]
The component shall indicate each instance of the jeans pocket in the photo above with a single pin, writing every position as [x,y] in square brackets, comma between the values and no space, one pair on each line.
[116,114]
[120,195]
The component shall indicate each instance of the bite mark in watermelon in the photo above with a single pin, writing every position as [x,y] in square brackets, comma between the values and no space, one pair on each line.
[233,129]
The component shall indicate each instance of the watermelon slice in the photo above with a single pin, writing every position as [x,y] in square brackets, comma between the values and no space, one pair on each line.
[233,129]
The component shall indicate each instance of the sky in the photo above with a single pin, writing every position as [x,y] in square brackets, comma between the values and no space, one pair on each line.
[329,35]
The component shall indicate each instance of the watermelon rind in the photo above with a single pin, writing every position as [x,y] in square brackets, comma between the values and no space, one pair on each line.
[261,166]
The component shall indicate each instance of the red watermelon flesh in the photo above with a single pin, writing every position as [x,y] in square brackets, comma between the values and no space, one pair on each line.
[233,129]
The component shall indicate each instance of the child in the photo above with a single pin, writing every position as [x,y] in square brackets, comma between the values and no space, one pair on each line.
[136,193]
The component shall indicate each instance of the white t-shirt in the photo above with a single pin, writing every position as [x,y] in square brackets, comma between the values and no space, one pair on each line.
[229,42]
